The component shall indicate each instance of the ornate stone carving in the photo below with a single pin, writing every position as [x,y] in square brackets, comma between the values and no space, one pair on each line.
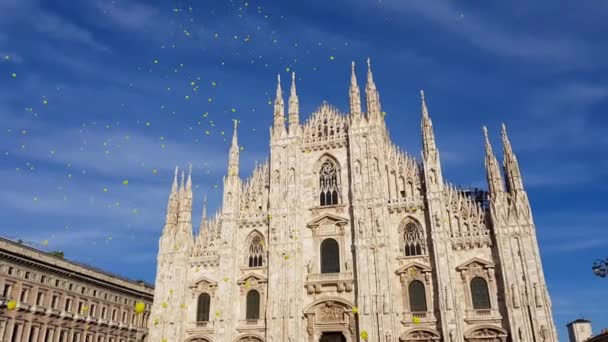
[330,312]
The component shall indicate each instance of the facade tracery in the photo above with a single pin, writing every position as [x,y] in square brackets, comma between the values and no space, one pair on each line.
[343,228]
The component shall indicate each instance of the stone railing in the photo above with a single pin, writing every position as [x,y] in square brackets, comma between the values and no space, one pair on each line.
[313,277]
[343,281]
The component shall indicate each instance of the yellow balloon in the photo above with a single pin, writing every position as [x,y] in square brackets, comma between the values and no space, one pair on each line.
[140,307]
[11,305]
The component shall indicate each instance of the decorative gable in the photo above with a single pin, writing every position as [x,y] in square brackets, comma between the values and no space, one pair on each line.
[327,224]
[252,278]
[475,264]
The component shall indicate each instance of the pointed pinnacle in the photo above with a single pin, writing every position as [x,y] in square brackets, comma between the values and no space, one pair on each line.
[174,186]
[234,135]
[204,209]
[353,76]
[370,77]
[293,84]
[425,111]
[279,91]
[182,183]
[189,181]
[487,140]
[505,139]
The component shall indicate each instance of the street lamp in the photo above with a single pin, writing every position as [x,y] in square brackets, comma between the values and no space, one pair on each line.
[600,268]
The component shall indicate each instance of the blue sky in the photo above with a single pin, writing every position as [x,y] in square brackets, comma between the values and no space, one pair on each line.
[99,100]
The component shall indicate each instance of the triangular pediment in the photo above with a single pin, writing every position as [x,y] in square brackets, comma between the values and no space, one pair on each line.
[326,219]
[203,281]
[413,265]
[470,262]
[251,277]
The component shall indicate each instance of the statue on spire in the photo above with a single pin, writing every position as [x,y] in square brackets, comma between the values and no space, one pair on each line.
[354,94]
[372,96]
[233,159]
[279,110]
[495,182]
[294,107]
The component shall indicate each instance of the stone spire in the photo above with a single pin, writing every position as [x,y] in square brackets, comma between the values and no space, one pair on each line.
[355,94]
[294,107]
[495,182]
[204,208]
[203,224]
[184,219]
[372,96]
[510,164]
[172,206]
[279,110]
[429,148]
[233,160]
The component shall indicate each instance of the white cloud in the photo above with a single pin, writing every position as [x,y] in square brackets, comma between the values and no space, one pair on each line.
[61,29]
[128,15]
[490,37]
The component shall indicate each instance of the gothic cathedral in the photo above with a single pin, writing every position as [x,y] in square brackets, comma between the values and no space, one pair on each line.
[342,236]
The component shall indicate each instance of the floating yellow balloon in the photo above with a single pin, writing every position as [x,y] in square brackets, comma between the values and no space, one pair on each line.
[355,310]
[164,305]
[139,307]
[416,320]
[364,335]
[11,305]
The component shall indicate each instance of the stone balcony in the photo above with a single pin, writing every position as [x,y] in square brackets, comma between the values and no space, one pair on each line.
[342,281]
[53,312]
[66,315]
[413,318]
[91,319]
[483,315]
[37,309]
[23,307]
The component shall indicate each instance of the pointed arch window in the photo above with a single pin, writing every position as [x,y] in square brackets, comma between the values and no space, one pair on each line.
[328,184]
[256,252]
[417,296]
[253,305]
[480,294]
[413,239]
[330,256]
[202,309]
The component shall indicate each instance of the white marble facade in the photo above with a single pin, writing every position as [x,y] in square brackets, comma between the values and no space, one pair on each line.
[342,236]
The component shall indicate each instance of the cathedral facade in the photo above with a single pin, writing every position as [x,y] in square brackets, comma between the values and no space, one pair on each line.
[342,236]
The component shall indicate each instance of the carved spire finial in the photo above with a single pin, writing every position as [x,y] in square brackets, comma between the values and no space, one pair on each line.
[495,182]
[510,164]
[279,109]
[233,159]
[294,107]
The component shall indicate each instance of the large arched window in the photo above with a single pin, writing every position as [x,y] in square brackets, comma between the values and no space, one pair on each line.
[413,239]
[480,294]
[329,186]
[253,305]
[202,309]
[417,296]
[330,256]
[256,252]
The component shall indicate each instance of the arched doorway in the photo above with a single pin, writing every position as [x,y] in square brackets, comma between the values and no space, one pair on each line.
[332,337]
